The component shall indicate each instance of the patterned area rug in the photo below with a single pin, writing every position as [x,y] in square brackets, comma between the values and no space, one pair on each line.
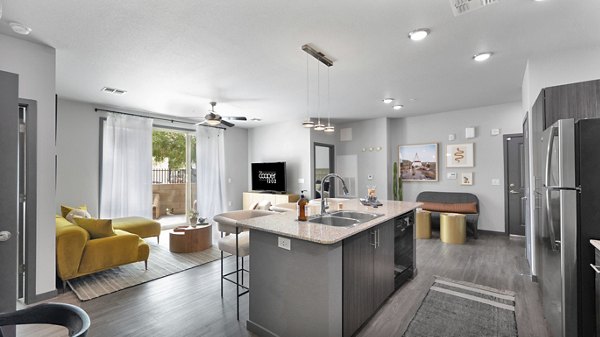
[160,264]
[453,308]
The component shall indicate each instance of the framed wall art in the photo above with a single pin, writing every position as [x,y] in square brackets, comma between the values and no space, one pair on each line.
[466,178]
[460,155]
[419,162]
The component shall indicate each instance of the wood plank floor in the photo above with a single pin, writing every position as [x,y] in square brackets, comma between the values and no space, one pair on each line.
[189,303]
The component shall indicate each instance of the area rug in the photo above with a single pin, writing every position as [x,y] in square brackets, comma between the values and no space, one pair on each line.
[454,308]
[160,264]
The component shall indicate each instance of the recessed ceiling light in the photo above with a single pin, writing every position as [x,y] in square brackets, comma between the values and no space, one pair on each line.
[398,106]
[20,28]
[388,100]
[482,56]
[419,34]
[113,91]
[255,119]
[412,99]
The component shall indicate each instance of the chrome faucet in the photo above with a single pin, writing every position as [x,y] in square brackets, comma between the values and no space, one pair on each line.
[344,188]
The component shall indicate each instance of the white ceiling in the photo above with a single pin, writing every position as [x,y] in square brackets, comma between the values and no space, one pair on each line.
[173,57]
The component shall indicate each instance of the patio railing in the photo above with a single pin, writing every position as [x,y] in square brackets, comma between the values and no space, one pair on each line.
[167,176]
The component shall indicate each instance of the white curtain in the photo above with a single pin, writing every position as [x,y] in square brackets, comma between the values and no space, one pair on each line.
[210,163]
[126,188]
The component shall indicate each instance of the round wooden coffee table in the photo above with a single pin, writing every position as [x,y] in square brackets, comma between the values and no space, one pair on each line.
[187,239]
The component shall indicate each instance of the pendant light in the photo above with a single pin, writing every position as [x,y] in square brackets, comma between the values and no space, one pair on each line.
[329,128]
[319,126]
[308,123]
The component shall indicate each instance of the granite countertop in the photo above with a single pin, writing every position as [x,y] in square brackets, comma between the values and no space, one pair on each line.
[285,223]
[595,243]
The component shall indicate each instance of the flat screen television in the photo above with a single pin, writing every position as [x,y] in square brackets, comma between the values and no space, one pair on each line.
[268,177]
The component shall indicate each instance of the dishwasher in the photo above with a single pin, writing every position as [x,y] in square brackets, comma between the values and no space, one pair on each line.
[404,248]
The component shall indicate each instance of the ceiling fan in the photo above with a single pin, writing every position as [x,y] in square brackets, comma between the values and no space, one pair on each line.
[214,119]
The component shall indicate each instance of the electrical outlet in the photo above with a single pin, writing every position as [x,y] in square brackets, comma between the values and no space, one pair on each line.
[284,243]
[496,182]
[229,180]
[229,203]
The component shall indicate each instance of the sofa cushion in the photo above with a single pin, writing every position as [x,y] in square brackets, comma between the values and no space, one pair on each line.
[143,227]
[98,228]
[465,208]
[64,210]
[76,212]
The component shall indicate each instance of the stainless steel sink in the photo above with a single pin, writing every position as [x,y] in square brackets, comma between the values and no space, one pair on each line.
[344,218]
[360,216]
[334,220]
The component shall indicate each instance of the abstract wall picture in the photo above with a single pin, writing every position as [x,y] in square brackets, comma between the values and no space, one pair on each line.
[459,155]
[466,178]
[419,162]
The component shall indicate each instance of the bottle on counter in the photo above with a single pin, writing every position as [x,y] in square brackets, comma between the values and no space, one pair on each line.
[302,206]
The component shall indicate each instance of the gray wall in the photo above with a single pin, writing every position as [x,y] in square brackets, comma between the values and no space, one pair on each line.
[236,166]
[288,142]
[78,149]
[489,160]
[36,66]
[369,134]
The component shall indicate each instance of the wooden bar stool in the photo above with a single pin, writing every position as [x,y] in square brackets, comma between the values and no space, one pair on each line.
[423,225]
[453,228]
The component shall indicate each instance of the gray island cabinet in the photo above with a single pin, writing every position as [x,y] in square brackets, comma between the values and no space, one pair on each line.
[330,281]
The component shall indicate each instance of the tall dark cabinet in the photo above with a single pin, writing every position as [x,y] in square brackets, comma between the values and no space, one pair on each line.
[577,100]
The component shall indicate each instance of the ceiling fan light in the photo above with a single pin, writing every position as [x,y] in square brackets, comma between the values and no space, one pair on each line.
[319,127]
[329,128]
[213,122]
[308,123]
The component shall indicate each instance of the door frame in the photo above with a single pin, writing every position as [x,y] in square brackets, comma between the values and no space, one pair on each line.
[506,183]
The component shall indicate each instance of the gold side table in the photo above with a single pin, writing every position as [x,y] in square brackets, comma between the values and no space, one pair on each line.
[453,228]
[423,225]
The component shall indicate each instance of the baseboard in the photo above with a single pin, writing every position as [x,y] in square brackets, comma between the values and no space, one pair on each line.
[259,330]
[486,232]
[43,296]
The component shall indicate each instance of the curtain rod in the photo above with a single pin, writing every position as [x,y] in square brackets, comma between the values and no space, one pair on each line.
[159,118]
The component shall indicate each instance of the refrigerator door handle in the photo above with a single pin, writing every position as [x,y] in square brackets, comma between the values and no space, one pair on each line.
[560,188]
[553,243]
[595,268]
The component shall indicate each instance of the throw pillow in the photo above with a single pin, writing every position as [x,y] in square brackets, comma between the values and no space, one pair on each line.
[64,210]
[98,228]
[80,213]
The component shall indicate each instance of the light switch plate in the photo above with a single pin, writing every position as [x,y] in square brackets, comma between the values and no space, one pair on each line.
[496,182]
[451,175]
[300,180]
[284,243]
[495,132]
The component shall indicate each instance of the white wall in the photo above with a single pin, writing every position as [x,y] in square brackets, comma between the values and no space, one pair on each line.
[288,142]
[36,66]
[489,159]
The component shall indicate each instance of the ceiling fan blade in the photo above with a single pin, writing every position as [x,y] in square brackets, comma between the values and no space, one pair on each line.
[235,118]
[226,123]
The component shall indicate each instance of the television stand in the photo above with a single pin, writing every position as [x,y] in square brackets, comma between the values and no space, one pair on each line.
[249,198]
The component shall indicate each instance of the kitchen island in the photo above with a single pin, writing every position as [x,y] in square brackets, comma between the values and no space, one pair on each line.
[326,280]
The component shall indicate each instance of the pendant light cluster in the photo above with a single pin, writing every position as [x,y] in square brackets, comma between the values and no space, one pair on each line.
[309,123]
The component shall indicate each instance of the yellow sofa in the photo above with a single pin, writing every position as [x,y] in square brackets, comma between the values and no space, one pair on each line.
[78,255]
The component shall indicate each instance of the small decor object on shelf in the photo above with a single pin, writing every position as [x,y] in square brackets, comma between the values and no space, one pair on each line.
[459,155]
[371,193]
[466,178]
[193,217]
[418,162]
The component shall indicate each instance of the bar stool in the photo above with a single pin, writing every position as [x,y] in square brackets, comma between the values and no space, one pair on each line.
[453,228]
[423,225]
[235,241]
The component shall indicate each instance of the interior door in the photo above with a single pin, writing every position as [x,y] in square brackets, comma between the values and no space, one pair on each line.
[9,165]
[515,184]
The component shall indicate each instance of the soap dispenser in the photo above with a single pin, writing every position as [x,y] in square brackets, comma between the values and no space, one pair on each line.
[302,205]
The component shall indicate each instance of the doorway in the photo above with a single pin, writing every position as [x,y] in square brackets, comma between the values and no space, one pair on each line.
[324,163]
[514,184]
[173,176]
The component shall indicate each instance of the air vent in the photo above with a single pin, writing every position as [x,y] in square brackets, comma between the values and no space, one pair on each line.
[114,91]
[460,7]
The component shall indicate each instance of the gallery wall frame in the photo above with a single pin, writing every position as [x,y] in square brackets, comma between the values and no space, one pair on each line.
[460,155]
[419,162]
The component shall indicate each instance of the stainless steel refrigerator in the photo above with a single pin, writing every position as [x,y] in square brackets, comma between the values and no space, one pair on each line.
[571,217]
